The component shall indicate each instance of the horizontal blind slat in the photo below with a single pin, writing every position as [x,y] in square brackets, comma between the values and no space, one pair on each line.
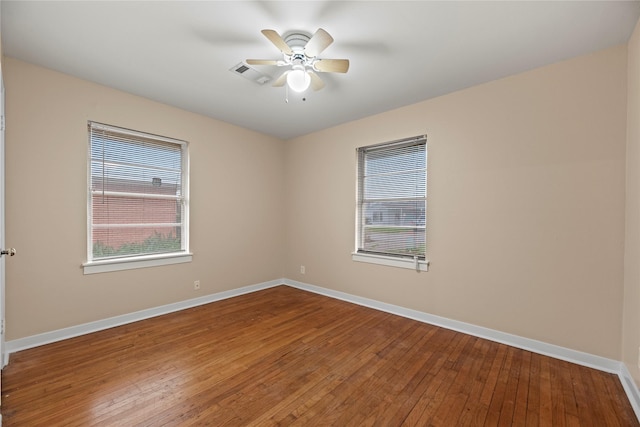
[392,198]
[137,199]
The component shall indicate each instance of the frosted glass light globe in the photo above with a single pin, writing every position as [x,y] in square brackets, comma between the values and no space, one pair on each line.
[297,79]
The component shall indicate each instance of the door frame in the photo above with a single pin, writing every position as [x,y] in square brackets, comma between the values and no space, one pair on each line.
[4,357]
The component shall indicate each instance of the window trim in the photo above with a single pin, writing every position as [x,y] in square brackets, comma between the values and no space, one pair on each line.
[143,261]
[400,261]
[92,266]
[391,261]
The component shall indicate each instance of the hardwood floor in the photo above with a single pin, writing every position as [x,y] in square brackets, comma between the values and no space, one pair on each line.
[283,356]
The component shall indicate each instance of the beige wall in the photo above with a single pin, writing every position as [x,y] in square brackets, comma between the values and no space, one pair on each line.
[525,218]
[631,324]
[525,205]
[236,201]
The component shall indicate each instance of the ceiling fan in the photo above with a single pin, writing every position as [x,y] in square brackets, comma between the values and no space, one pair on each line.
[300,53]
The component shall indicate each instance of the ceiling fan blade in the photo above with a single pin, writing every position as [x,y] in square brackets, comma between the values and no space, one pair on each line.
[262,62]
[275,38]
[332,65]
[280,81]
[318,42]
[316,81]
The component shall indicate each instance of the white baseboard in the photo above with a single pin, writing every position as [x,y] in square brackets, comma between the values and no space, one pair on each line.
[630,388]
[585,359]
[99,325]
[551,350]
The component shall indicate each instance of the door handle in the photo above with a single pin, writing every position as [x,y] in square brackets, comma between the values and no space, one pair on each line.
[10,252]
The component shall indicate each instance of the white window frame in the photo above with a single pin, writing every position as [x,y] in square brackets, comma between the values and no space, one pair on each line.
[92,266]
[414,263]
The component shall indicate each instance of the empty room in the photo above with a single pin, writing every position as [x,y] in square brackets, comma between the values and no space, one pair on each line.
[316,213]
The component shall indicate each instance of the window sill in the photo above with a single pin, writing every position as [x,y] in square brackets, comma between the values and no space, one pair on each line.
[108,265]
[391,261]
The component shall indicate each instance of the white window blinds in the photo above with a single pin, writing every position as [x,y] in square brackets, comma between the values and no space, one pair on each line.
[392,198]
[137,194]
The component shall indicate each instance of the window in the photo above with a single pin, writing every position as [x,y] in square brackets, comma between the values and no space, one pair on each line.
[137,201]
[391,203]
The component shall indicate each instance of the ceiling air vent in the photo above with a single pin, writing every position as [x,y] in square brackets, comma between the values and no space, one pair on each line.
[249,73]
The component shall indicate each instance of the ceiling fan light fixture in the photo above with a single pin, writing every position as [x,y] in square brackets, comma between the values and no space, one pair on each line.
[297,79]
[300,52]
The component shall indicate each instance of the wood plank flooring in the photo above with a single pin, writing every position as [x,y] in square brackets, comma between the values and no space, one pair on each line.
[287,357]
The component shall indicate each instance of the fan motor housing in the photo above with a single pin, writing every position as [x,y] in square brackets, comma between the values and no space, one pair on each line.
[296,40]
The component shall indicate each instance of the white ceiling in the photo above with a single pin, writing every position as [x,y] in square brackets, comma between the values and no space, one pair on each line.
[180,52]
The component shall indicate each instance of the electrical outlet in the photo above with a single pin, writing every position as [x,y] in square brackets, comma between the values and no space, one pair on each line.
[196,285]
[302,269]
